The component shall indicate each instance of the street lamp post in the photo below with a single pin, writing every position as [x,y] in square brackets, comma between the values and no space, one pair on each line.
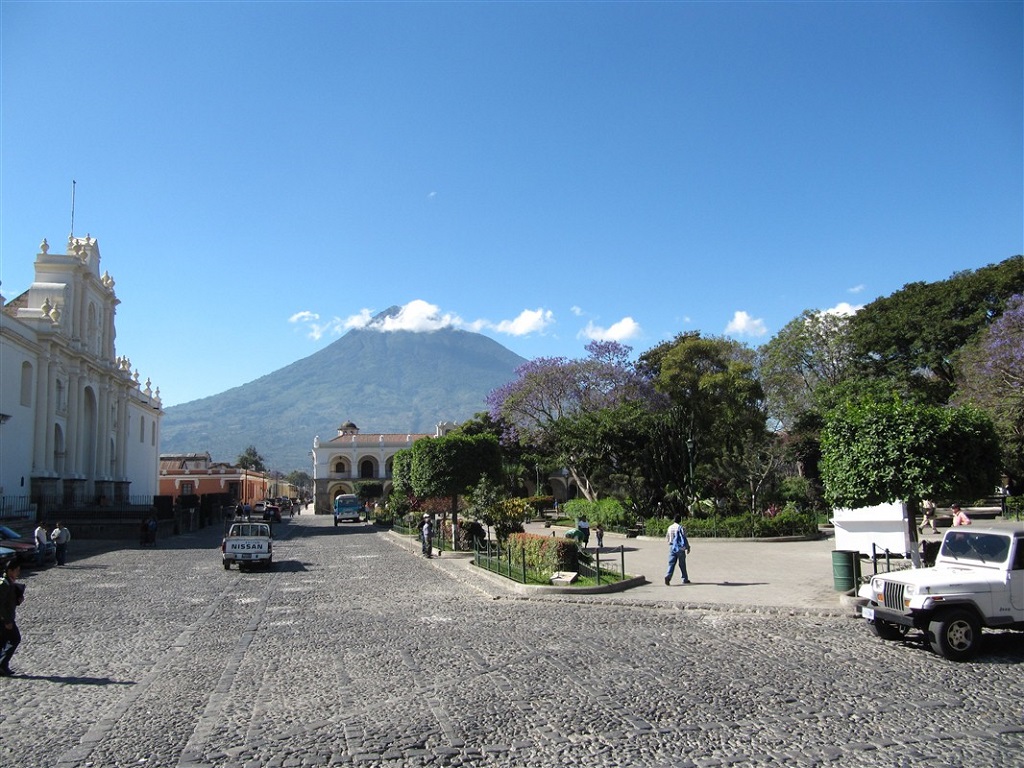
[689,455]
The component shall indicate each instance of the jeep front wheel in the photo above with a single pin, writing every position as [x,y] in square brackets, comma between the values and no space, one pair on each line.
[887,630]
[955,634]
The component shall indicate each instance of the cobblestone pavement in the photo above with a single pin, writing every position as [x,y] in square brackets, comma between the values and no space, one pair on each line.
[354,650]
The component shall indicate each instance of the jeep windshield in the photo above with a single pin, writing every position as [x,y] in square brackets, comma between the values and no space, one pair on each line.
[983,547]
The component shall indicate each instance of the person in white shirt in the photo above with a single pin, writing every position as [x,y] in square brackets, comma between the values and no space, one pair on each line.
[61,536]
[42,537]
[678,549]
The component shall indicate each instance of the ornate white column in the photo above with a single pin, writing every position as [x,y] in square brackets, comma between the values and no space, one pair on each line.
[39,433]
[72,455]
[103,427]
[122,435]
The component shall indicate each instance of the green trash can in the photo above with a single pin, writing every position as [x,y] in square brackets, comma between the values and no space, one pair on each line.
[845,569]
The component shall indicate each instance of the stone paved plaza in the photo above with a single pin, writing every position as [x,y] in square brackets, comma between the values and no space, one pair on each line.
[354,650]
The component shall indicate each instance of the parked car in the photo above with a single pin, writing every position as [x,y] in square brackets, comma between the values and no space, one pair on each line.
[977,582]
[25,547]
[272,513]
[6,555]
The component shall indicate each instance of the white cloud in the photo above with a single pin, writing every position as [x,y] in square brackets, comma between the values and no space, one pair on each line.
[856,288]
[422,317]
[315,328]
[624,329]
[576,310]
[529,321]
[419,316]
[844,308]
[743,324]
[359,320]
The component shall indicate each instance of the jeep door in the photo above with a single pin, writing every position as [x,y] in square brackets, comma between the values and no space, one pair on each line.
[1017,577]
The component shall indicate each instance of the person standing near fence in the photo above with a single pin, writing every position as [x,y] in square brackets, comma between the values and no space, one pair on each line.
[61,536]
[427,535]
[678,549]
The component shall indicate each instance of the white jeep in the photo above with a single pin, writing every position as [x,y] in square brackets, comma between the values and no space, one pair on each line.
[977,581]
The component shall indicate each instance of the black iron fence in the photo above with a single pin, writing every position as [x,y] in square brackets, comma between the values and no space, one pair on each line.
[52,507]
[593,566]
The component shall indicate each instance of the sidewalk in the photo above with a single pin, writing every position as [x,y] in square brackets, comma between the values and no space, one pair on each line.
[795,575]
[760,576]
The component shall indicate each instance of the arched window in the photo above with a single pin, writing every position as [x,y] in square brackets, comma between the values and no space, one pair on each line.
[366,469]
[26,384]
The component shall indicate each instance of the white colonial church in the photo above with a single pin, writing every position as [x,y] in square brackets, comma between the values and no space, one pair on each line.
[76,425]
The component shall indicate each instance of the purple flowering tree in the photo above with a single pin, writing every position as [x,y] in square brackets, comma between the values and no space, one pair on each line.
[548,390]
[992,377]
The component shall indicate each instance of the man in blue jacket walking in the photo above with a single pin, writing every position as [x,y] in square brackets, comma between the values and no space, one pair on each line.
[678,549]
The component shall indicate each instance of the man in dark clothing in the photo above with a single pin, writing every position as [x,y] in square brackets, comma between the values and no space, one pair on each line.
[426,534]
[10,598]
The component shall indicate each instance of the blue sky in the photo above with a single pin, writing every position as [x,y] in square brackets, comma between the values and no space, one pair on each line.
[262,177]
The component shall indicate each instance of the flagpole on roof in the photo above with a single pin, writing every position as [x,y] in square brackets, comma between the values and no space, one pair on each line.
[73,182]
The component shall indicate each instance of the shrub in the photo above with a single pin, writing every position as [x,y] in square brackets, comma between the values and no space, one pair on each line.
[607,512]
[658,526]
[1015,506]
[506,517]
[788,521]
[544,554]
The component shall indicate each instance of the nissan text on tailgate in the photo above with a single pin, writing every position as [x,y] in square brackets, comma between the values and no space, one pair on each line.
[247,544]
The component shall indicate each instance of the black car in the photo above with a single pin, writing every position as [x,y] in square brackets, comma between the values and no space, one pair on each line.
[6,555]
[272,513]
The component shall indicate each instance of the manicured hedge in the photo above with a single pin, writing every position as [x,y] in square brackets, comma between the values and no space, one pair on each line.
[545,554]
[786,523]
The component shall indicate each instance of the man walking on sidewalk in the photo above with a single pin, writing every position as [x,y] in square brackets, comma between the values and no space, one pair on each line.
[678,549]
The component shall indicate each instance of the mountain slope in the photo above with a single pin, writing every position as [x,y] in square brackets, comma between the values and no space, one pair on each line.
[395,381]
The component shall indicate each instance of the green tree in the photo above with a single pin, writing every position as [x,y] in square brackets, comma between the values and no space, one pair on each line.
[250,459]
[300,480]
[802,363]
[912,337]
[449,466]
[489,504]
[717,409]
[607,447]
[401,473]
[875,452]
[368,490]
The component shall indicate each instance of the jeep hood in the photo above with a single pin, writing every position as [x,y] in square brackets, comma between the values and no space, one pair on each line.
[952,579]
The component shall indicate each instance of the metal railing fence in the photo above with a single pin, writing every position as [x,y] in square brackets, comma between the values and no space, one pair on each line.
[510,562]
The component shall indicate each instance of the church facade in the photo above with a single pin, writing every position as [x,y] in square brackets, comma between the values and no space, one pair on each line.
[76,425]
[351,456]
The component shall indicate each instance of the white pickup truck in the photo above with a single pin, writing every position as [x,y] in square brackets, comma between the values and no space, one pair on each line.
[977,581]
[247,544]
